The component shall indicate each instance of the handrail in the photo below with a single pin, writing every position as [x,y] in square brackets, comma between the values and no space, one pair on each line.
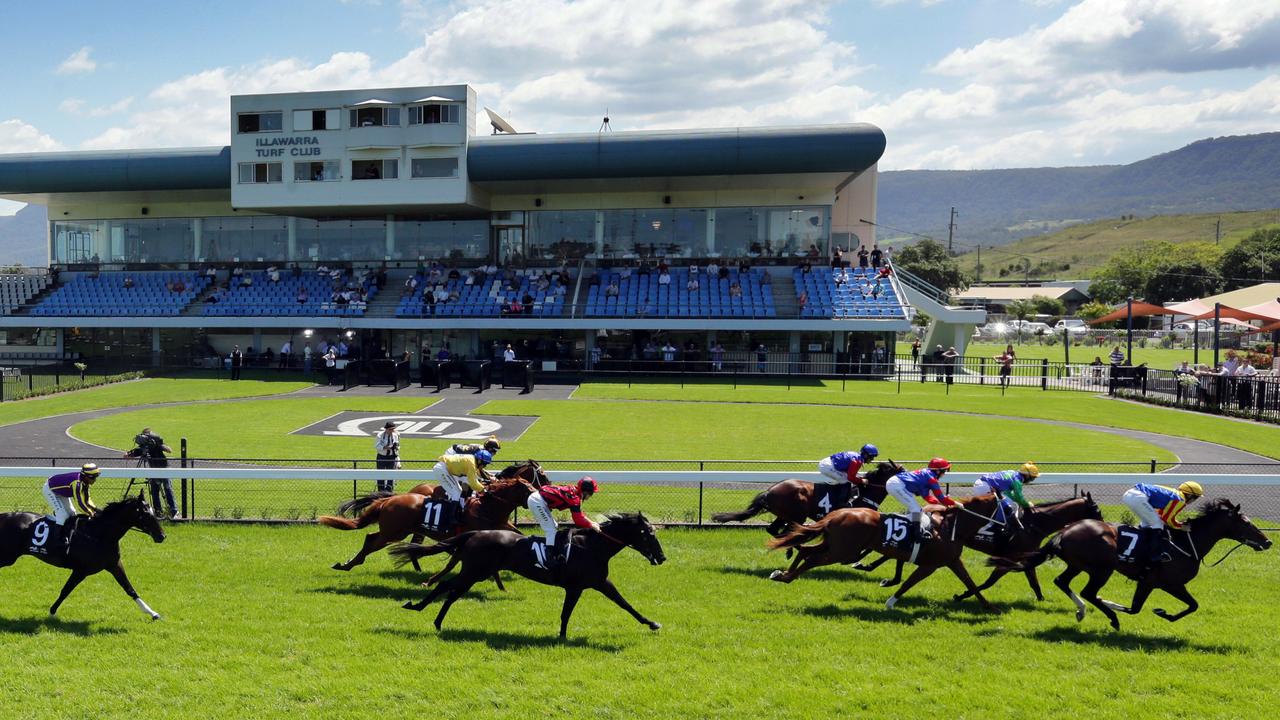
[921,285]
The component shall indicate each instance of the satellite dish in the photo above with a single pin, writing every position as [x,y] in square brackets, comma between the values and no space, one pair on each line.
[499,124]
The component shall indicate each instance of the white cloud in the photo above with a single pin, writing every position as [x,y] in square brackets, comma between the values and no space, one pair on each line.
[71,105]
[17,136]
[114,108]
[78,62]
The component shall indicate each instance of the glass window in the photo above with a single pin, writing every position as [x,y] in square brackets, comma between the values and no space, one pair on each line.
[432,114]
[655,232]
[374,169]
[793,230]
[433,167]
[556,235]
[330,240]
[308,120]
[375,117]
[260,122]
[316,171]
[251,173]
[226,239]
[78,241]
[442,239]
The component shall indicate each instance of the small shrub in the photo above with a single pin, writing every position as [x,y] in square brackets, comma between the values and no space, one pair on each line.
[237,513]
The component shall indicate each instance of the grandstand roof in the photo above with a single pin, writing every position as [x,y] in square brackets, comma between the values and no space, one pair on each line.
[829,149]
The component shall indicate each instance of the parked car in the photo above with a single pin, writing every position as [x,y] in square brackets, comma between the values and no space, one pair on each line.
[1074,326]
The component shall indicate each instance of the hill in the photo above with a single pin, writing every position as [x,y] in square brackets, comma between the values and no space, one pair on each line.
[22,237]
[1078,251]
[1225,174]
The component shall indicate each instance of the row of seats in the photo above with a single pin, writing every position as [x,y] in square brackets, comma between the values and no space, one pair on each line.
[149,294]
[17,290]
[646,295]
[851,293]
[484,299]
[266,298]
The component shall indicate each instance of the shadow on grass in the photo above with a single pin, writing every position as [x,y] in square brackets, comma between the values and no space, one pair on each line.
[498,639]
[908,610]
[30,626]
[416,579]
[822,573]
[1120,640]
[411,591]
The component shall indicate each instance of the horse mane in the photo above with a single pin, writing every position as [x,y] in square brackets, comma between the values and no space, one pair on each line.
[503,483]
[1216,507]
[1051,504]
[625,518]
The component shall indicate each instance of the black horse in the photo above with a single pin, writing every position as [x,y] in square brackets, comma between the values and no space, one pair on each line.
[95,546]
[484,552]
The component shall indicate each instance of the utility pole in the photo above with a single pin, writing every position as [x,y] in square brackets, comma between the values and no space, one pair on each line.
[979,267]
[951,229]
[1217,233]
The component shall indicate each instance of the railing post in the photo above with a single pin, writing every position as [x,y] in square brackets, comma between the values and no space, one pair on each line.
[182,449]
[1044,373]
[699,503]
[982,370]
[1153,466]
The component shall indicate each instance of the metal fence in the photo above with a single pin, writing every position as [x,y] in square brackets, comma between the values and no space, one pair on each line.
[670,491]
[1256,398]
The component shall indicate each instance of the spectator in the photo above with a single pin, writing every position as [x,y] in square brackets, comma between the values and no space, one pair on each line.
[744,266]
[509,355]
[1006,366]
[888,255]
[915,352]
[128,281]
[814,252]
[331,364]
[837,257]
[668,352]
[386,446]
[237,271]
[306,359]
[862,256]
[723,272]
[762,357]
[713,269]
[543,284]
[211,272]
[803,300]
[1096,368]
[735,290]
[1117,358]
[1246,375]
[755,250]
[237,362]
[841,277]
[664,278]
[444,355]
[273,274]
[877,257]
[625,273]
[950,357]
[302,295]
[286,353]
[766,278]
[561,290]
[717,357]
[246,280]
[343,349]
[805,266]
[937,358]
[1232,364]
[884,272]
[612,290]
[441,294]
[693,269]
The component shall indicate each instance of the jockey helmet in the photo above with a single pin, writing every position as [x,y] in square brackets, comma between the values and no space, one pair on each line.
[588,486]
[1191,489]
[484,457]
[1029,471]
[89,470]
[492,444]
[869,452]
[939,464]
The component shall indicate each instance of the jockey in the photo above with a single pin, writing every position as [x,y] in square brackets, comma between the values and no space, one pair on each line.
[62,489]
[1007,485]
[907,485]
[559,497]
[1157,506]
[450,469]
[492,445]
[841,470]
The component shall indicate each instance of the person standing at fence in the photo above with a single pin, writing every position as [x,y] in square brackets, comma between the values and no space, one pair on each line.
[950,359]
[149,450]
[331,364]
[387,446]
[1117,358]
[286,353]
[915,352]
[509,354]
[762,357]
[306,359]
[1006,367]
[237,362]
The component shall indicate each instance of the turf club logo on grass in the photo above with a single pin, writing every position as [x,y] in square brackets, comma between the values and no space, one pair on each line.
[433,426]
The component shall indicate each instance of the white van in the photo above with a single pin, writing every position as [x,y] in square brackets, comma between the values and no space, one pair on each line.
[1075,326]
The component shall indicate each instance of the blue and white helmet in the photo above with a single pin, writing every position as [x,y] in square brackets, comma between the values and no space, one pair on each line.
[484,457]
[869,452]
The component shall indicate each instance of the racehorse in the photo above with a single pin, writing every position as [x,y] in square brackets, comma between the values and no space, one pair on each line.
[486,552]
[1090,547]
[1039,522]
[794,502]
[849,535]
[399,515]
[95,546]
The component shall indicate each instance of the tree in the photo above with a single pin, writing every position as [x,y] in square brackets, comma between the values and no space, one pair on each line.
[1092,310]
[928,260]
[1045,305]
[1020,310]
[1256,259]
[1127,272]
[1184,272]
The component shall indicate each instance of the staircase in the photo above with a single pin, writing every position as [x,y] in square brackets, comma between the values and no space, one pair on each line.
[950,326]
[387,301]
[784,295]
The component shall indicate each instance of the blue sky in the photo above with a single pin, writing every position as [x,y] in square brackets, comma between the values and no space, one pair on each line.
[955,84]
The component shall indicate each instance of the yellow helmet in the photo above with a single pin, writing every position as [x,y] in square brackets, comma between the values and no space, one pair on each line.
[89,469]
[1191,489]
[1030,470]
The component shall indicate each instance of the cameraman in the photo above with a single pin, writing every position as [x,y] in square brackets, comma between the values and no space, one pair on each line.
[387,446]
[149,450]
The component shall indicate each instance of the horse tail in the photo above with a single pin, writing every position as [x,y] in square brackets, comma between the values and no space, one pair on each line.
[1029,560]
[368,517]
[405,553]
[356,506]
[756,507]
[800,535]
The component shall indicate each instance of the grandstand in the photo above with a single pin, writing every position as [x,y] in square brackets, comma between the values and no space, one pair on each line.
[385,182]
[18,290]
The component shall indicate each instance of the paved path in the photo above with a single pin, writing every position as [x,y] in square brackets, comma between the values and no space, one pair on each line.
[48,437]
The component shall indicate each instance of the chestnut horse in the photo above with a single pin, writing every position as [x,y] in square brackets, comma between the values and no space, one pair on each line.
[400,515]
[1090,547]
[1039,522]
[793,502]
[849,535]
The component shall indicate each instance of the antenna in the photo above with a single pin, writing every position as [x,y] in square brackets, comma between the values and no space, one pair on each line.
[604,124]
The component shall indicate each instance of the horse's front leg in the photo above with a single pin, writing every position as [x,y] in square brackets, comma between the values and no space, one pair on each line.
[77,576]
[117,572]
[373,542]
[957,567]
[1179,592]
[607,588]
[897,575]
[868,567]
[571,595]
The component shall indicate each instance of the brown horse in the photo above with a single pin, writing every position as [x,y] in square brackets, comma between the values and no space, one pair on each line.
[849,535]
[1091,547]
[400,515]
[794,502]
[1039,522]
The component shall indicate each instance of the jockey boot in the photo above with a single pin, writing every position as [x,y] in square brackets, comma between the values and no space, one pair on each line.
[556,555]
[68,530]
[1156,553]
[840,495]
